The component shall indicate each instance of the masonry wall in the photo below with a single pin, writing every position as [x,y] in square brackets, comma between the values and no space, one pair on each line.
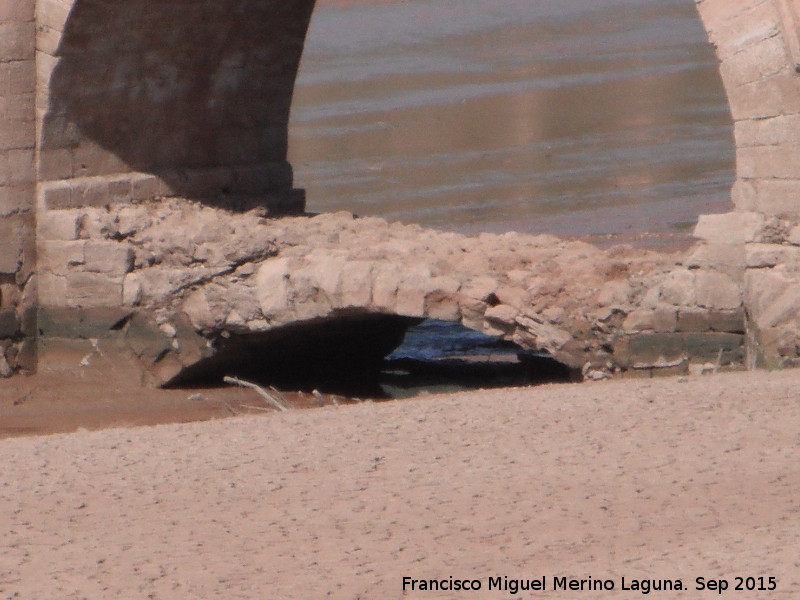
[112,104]
[758,43]
[139,100]
[17,185]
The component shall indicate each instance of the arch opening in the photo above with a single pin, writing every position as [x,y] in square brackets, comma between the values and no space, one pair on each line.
[377,356]
[581,118]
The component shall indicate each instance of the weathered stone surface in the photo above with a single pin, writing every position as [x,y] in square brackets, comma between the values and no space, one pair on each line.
[639,320]
[213,126]
[761,256]
[650,350]
[693,319]
[244,275]
[84,323]
[726,347]
[11,237]
[679,288]
[718,291]
[9,323]
[665,350]
[728,228]
[699,320]
[665,318]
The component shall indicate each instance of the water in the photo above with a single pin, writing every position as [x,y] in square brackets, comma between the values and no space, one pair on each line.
[571,117]
[433,339]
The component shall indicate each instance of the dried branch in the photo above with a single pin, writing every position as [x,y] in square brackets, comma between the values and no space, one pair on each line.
[270,398]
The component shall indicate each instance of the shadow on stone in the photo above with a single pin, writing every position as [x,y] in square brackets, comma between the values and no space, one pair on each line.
[196,93]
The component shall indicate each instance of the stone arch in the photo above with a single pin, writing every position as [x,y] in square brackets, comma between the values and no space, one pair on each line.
[758,44]
[92,278]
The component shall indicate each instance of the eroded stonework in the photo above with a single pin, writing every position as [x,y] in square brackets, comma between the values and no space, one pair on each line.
[142,145]
[170,281]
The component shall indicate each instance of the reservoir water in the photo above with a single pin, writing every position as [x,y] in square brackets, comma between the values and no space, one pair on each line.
[575,117]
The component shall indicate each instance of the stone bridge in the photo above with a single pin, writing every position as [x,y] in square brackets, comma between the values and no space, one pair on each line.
[143,144]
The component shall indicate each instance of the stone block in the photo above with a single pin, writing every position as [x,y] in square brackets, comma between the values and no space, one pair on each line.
[63,225]
[678,288]
[793,237]
[61,257]
[146,187]
[727,258]
[20,107]
[55,197]
[764,58]
[93,290]
[20,166]
[18,10]
[718,291]
[778,196]
[111,258]
[22,76]
[693,320]
[55,164]
[728,228]
[513,296]
[767,132]
[91,160]
[776,303]
[355,283]
[639,320]
[53,13]
[761,256]
[52,288]
[90,192]
[12,231]
[191,347]
[120,191]
[84,323]
[9,323]
[17,134]
[649,350]
[667,350]
[727,321]
[47,40]
[17,40]
[132,290]
[709,347]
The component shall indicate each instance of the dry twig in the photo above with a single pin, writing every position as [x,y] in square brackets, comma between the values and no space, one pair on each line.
[270,398]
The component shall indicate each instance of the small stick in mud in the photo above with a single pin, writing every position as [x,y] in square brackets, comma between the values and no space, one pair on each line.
[270,398]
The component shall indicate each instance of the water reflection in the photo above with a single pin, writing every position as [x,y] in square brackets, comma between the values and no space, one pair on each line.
[577,117]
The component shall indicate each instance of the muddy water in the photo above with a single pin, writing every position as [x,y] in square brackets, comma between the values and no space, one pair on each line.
[571,117]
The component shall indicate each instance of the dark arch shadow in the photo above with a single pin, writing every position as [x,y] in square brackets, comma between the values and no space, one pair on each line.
[197,93]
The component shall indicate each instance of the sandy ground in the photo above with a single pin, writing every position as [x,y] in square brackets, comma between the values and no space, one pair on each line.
[641,479]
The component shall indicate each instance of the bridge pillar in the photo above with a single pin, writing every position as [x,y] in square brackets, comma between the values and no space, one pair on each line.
[17,186]
[758,44]
[138,100]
